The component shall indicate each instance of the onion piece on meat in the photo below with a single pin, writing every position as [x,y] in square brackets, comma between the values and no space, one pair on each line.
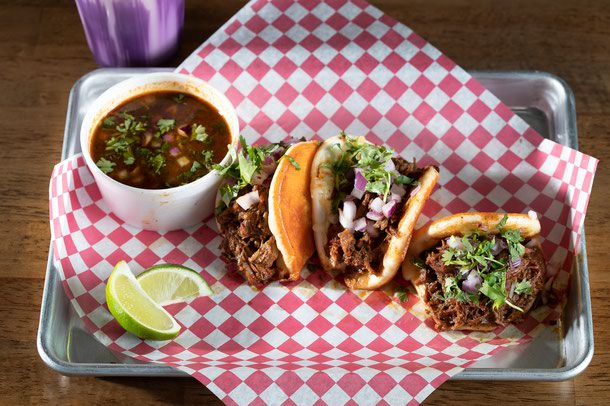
[389,165]
[347,215]
[174,151]
[455,242]
[374,215]
[532,214]
[389,208]
[499,245]
[398,190]
[376,205]
[259,177]
[514,264]
[247,200]
[359,184]
[168,137]
[269,165]
[360,224]
[472,282]
[395,197]
[359,180]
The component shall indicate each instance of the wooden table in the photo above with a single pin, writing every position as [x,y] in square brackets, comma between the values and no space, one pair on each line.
[43,51]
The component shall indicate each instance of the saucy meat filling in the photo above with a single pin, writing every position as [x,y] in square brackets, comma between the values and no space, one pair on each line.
[369,199]
[480,282]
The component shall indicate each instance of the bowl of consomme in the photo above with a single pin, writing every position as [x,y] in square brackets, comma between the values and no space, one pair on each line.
[151,143]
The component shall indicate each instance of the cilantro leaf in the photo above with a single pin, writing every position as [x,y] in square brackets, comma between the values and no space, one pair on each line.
[179,99]
[523,287]
[196,166]
[157,163]
[246,168]
[164,125]
[418,262]
[401,294]
[128,157]
[293,162]
[108,123]
[493,293]
[105,165]
[405,180]
[208,157]
[198,133]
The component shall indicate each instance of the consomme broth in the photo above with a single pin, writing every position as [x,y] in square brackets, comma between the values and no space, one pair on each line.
[160,140]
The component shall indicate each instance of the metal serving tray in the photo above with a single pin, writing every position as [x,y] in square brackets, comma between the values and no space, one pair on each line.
[541,99]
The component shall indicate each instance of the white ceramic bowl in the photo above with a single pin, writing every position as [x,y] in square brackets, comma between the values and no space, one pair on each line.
[160,209]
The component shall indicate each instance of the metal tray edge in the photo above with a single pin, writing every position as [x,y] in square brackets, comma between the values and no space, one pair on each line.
[559,374]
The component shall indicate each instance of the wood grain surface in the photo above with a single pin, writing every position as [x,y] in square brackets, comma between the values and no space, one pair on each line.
[43,51]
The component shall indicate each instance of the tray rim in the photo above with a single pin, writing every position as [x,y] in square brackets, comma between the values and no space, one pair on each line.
[158,370]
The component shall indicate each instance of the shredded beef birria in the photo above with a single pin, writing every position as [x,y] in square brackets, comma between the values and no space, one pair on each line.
[248,242]
[451,314]
[363,251]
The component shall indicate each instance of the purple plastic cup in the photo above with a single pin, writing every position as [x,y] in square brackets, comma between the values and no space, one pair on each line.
[132,32]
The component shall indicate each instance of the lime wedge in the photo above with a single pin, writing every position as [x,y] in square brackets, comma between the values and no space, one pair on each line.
[135,311]
[167,284]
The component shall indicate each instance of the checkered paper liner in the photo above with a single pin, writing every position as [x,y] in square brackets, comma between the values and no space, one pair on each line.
[311,69]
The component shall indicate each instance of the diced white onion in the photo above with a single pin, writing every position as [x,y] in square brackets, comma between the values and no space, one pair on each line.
[389,208]
[395,197]
[259,177]
[376,205]
[357,193]
[398,190]
[248,199]
[472,282]
[349,208]
[455,242]
[389,165]
[183,161]
[373,215]
[347,215]
[532,214]
[360,224]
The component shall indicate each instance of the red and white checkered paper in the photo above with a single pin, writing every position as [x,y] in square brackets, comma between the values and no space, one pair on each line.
[310,69]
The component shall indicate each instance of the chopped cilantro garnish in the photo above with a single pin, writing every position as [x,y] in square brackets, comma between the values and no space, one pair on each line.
[157,162]
[108,123]
[405,180]
[418,262]
[474,252]
[402,294]
[198,133]
[164,125]
[523,287]
[179,99]
[105,165]
[195,167]
[242,168]
[293,162]
[126,116]
[130,126]
[375,163]
[208,158]
[128,157]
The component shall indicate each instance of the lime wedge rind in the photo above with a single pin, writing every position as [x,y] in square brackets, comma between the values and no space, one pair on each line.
[125,297]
